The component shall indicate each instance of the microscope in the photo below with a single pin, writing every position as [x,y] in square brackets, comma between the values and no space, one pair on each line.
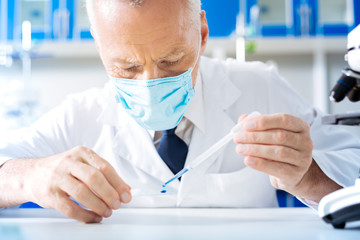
[343,206]
[349,82]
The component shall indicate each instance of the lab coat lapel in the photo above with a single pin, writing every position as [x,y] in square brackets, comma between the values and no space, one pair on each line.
[219,94]
[134,143]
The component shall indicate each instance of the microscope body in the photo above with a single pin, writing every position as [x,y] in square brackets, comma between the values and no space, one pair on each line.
[343,206]
[349,83]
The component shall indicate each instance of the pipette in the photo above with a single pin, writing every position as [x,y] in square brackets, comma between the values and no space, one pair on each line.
[213,149]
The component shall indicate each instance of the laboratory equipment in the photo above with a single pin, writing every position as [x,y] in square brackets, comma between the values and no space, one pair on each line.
[343,206]
[14,109]
[213,149]
[349,82]
[19,105]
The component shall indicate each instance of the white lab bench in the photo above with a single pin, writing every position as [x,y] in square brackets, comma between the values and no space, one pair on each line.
[169,223]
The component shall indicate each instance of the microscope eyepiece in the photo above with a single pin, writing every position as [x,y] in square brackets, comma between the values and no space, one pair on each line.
[344,85]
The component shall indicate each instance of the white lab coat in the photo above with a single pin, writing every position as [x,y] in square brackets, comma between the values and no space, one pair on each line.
[93,119]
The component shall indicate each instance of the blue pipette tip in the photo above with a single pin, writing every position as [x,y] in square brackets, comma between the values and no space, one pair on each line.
[163,191]
[179,174]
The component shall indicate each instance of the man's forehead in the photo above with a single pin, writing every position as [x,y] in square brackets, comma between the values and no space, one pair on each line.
[159,32]
[163,54]
[155,9]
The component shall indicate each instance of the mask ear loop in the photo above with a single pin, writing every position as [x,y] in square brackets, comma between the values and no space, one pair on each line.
[197,56]
[200,40]
[198,53]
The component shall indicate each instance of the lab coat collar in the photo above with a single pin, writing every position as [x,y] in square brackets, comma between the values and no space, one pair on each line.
[112,111]
[218,83]
[219,94]
[195,111]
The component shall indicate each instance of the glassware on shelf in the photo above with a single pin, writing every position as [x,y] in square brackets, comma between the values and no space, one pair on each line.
[272,12]
[335,12]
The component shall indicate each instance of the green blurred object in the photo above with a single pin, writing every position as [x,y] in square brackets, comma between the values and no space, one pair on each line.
[250,47]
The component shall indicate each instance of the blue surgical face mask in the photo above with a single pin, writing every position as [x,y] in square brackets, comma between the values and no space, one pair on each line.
[157,104]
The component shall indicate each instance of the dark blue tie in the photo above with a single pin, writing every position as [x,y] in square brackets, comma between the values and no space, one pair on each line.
[173,150]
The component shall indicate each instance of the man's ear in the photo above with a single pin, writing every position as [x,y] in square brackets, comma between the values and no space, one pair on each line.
[204,31]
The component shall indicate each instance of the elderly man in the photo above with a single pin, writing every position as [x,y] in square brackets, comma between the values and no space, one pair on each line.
[163,106]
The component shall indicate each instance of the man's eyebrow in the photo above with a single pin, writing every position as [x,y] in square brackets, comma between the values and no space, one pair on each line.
[133,62]
[127,61]
[175,52]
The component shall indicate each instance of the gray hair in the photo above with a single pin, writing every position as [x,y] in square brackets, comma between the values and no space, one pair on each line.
[193,8]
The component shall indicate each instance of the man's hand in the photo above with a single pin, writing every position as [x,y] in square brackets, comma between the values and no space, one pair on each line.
[81,174]
[280,145]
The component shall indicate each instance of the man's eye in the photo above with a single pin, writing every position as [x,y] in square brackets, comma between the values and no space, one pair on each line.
[170,63]
[130,69]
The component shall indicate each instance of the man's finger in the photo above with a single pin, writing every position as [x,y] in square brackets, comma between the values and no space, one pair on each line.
[270,137]
[82,194]
[70,209]
[97,182]
[271,152]
[276,121]
[109,172]
[242,117]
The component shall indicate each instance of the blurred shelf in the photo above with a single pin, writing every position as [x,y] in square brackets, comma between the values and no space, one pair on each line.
[68,49]
[282,46]
[300,46]
[263,46]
